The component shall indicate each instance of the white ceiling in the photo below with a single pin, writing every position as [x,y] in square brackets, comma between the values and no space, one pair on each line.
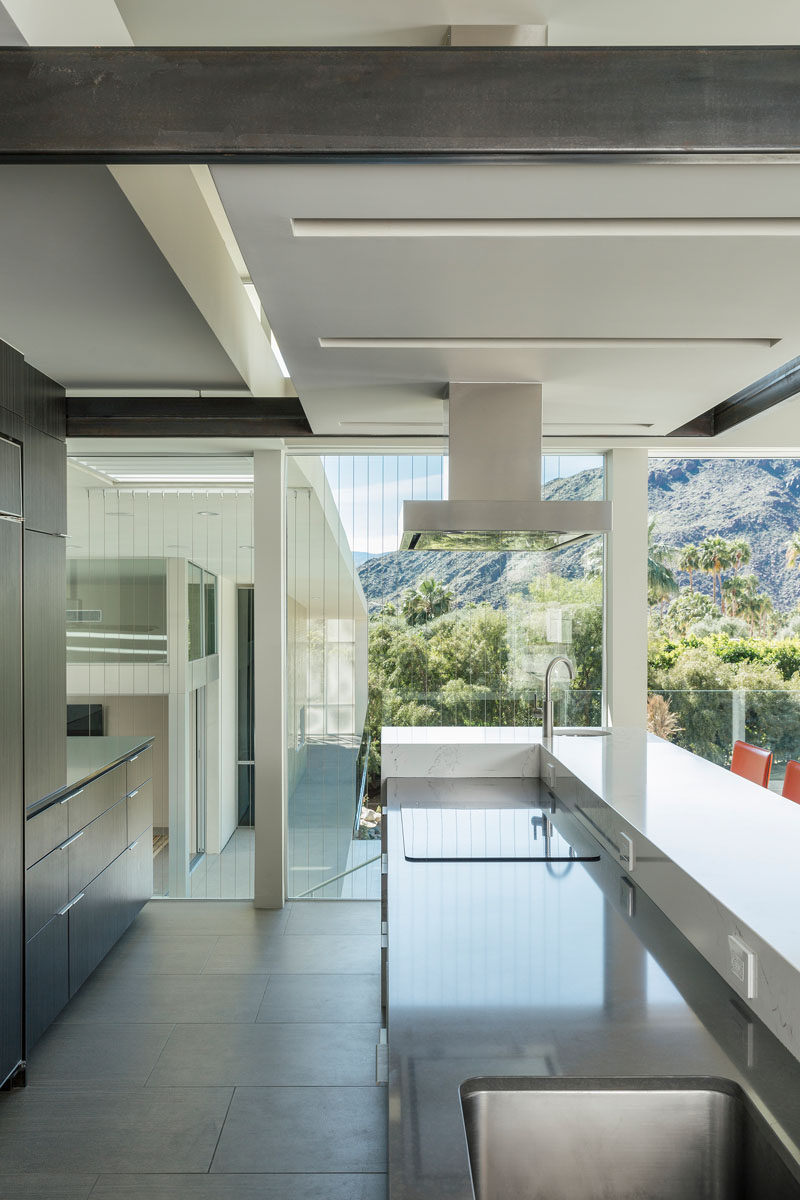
[87,296]
[423,22]
[589,286]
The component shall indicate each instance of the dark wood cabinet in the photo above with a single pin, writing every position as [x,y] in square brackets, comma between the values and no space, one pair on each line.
[45,665]
[85,890]
[11,789]
[47,976]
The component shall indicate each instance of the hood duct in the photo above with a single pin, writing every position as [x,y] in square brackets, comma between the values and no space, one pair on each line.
[495,501]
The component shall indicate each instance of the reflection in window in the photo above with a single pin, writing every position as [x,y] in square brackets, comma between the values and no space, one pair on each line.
[116,610]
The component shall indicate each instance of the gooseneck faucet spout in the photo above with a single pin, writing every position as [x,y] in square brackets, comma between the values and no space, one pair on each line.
[547,709]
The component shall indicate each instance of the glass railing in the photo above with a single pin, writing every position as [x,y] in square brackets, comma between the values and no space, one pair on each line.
[709,722]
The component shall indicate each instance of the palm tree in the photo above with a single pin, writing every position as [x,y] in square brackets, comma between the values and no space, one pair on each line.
[661,581]
[715,557]
[735,590]
[740,554]
[689,561]
[793,550]
[428,600]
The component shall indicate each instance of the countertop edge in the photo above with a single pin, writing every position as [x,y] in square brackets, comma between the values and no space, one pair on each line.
[68,789]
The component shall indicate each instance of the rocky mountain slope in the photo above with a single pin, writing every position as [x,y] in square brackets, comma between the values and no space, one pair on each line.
[756,499]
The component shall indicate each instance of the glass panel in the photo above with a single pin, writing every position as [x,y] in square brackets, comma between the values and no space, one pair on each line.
[380,637]
[210,601]
[195,622]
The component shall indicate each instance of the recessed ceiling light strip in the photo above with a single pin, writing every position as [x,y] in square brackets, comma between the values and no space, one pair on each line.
[538,343]
[543,227]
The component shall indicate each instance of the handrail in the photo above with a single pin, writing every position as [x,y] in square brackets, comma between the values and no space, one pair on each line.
[362,786]
[333,878]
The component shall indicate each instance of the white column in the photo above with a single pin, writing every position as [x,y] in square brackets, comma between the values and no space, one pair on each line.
[269,541]
[626,589]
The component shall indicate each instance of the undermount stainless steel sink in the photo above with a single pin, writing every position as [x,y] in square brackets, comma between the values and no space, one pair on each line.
[579,731]
[621,1139]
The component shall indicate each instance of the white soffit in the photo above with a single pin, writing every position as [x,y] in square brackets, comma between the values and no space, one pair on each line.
[663,290]
[86,294]
[425,22]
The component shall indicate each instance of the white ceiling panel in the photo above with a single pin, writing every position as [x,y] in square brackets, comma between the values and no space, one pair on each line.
[736,290]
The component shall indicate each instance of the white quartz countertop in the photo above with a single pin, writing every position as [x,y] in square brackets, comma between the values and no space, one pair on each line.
[738,841]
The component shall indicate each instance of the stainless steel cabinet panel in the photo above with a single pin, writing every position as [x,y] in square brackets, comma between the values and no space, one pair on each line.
[140,768]
[140,810]
[46,889]
[10,478]
[140,873]
[44,482]
[95,797]
[45,831]
[45,665]
[95,846]
[97,920]
[11,801]
[47,967]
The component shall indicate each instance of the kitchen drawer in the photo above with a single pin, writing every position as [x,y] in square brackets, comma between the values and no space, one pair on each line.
[94,798]
[140,809]
[139,768]
[45,831]
[47,977]
[46,889]
[384,898]
[140,872]
[96,845]
[97,920]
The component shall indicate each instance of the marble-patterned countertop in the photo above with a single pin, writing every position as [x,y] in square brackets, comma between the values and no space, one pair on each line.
[89,757]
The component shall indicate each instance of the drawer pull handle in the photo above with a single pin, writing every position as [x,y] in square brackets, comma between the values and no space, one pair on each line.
[74,838]
[132,794]
[72,795]
[62,912]
[133,845]
[134,757]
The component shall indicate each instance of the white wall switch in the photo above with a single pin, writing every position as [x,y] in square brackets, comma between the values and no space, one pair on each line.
[744,963]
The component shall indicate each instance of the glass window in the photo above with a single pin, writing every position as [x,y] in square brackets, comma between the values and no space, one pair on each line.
[195,611]
[116,610]
[210,601]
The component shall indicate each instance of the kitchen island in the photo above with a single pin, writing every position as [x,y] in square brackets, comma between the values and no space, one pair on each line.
[550,969]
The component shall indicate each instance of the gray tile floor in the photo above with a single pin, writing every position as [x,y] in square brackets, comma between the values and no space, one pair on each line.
[218,1053]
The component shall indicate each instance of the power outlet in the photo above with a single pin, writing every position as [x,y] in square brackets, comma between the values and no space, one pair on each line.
[550,775]
[743,964]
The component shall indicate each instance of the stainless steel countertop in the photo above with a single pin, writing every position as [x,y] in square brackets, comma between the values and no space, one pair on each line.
[87,759]
[540,969]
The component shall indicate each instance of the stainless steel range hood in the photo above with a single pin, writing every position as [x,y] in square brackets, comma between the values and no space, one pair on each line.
[495,436]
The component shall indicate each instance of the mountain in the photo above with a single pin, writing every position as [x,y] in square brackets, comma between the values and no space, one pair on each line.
[752,498]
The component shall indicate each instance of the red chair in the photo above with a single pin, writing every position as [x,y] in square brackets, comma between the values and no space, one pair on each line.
[751,762]
[791,782]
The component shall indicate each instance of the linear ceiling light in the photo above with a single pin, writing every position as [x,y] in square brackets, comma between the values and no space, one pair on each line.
[543,227]
[536,343]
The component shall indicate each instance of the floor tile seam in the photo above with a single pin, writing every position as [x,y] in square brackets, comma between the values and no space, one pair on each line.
[221,1131]
[92,1188]
[161,1051]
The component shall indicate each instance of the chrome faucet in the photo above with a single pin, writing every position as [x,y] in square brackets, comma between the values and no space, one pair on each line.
[547,708]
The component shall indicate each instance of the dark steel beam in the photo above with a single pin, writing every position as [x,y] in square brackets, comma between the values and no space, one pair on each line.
[148,416]
[289,104]
[758,397]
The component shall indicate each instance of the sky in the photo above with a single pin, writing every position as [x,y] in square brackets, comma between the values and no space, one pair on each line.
[369,490]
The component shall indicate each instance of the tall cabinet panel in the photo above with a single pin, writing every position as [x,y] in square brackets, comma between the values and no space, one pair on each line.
[45,665]
[11,853]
